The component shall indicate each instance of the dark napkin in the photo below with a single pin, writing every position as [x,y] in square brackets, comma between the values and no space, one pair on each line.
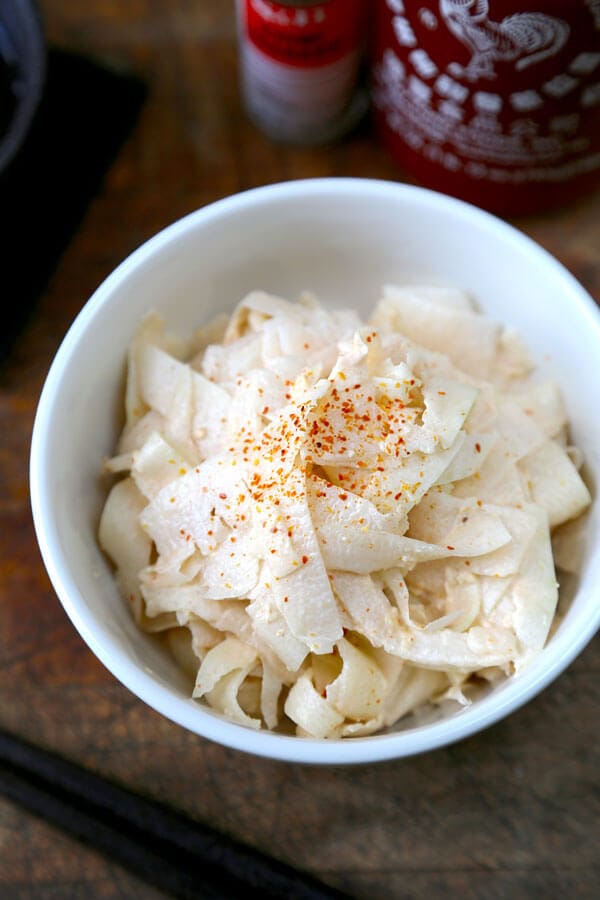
[86,112]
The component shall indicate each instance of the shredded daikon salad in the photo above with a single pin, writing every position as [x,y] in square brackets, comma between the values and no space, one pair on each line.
[336,523]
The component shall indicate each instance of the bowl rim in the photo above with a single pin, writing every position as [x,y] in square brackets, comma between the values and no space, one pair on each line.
[512,694]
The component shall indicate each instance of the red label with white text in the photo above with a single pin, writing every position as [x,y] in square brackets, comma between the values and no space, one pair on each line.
[496,101]
[305,36]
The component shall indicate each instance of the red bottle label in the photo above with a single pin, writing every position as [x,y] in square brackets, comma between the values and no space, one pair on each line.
[494,100]
[305,36]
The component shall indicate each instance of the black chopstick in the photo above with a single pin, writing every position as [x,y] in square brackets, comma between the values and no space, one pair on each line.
[174,853]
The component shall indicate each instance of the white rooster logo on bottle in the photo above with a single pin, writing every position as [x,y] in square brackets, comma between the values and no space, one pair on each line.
[525,38]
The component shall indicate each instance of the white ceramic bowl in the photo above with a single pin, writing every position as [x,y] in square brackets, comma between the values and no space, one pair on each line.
[342,238]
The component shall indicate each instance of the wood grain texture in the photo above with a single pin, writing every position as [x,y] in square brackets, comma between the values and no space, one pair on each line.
[513,812]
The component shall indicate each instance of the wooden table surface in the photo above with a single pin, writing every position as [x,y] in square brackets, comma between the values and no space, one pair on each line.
[513,812]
